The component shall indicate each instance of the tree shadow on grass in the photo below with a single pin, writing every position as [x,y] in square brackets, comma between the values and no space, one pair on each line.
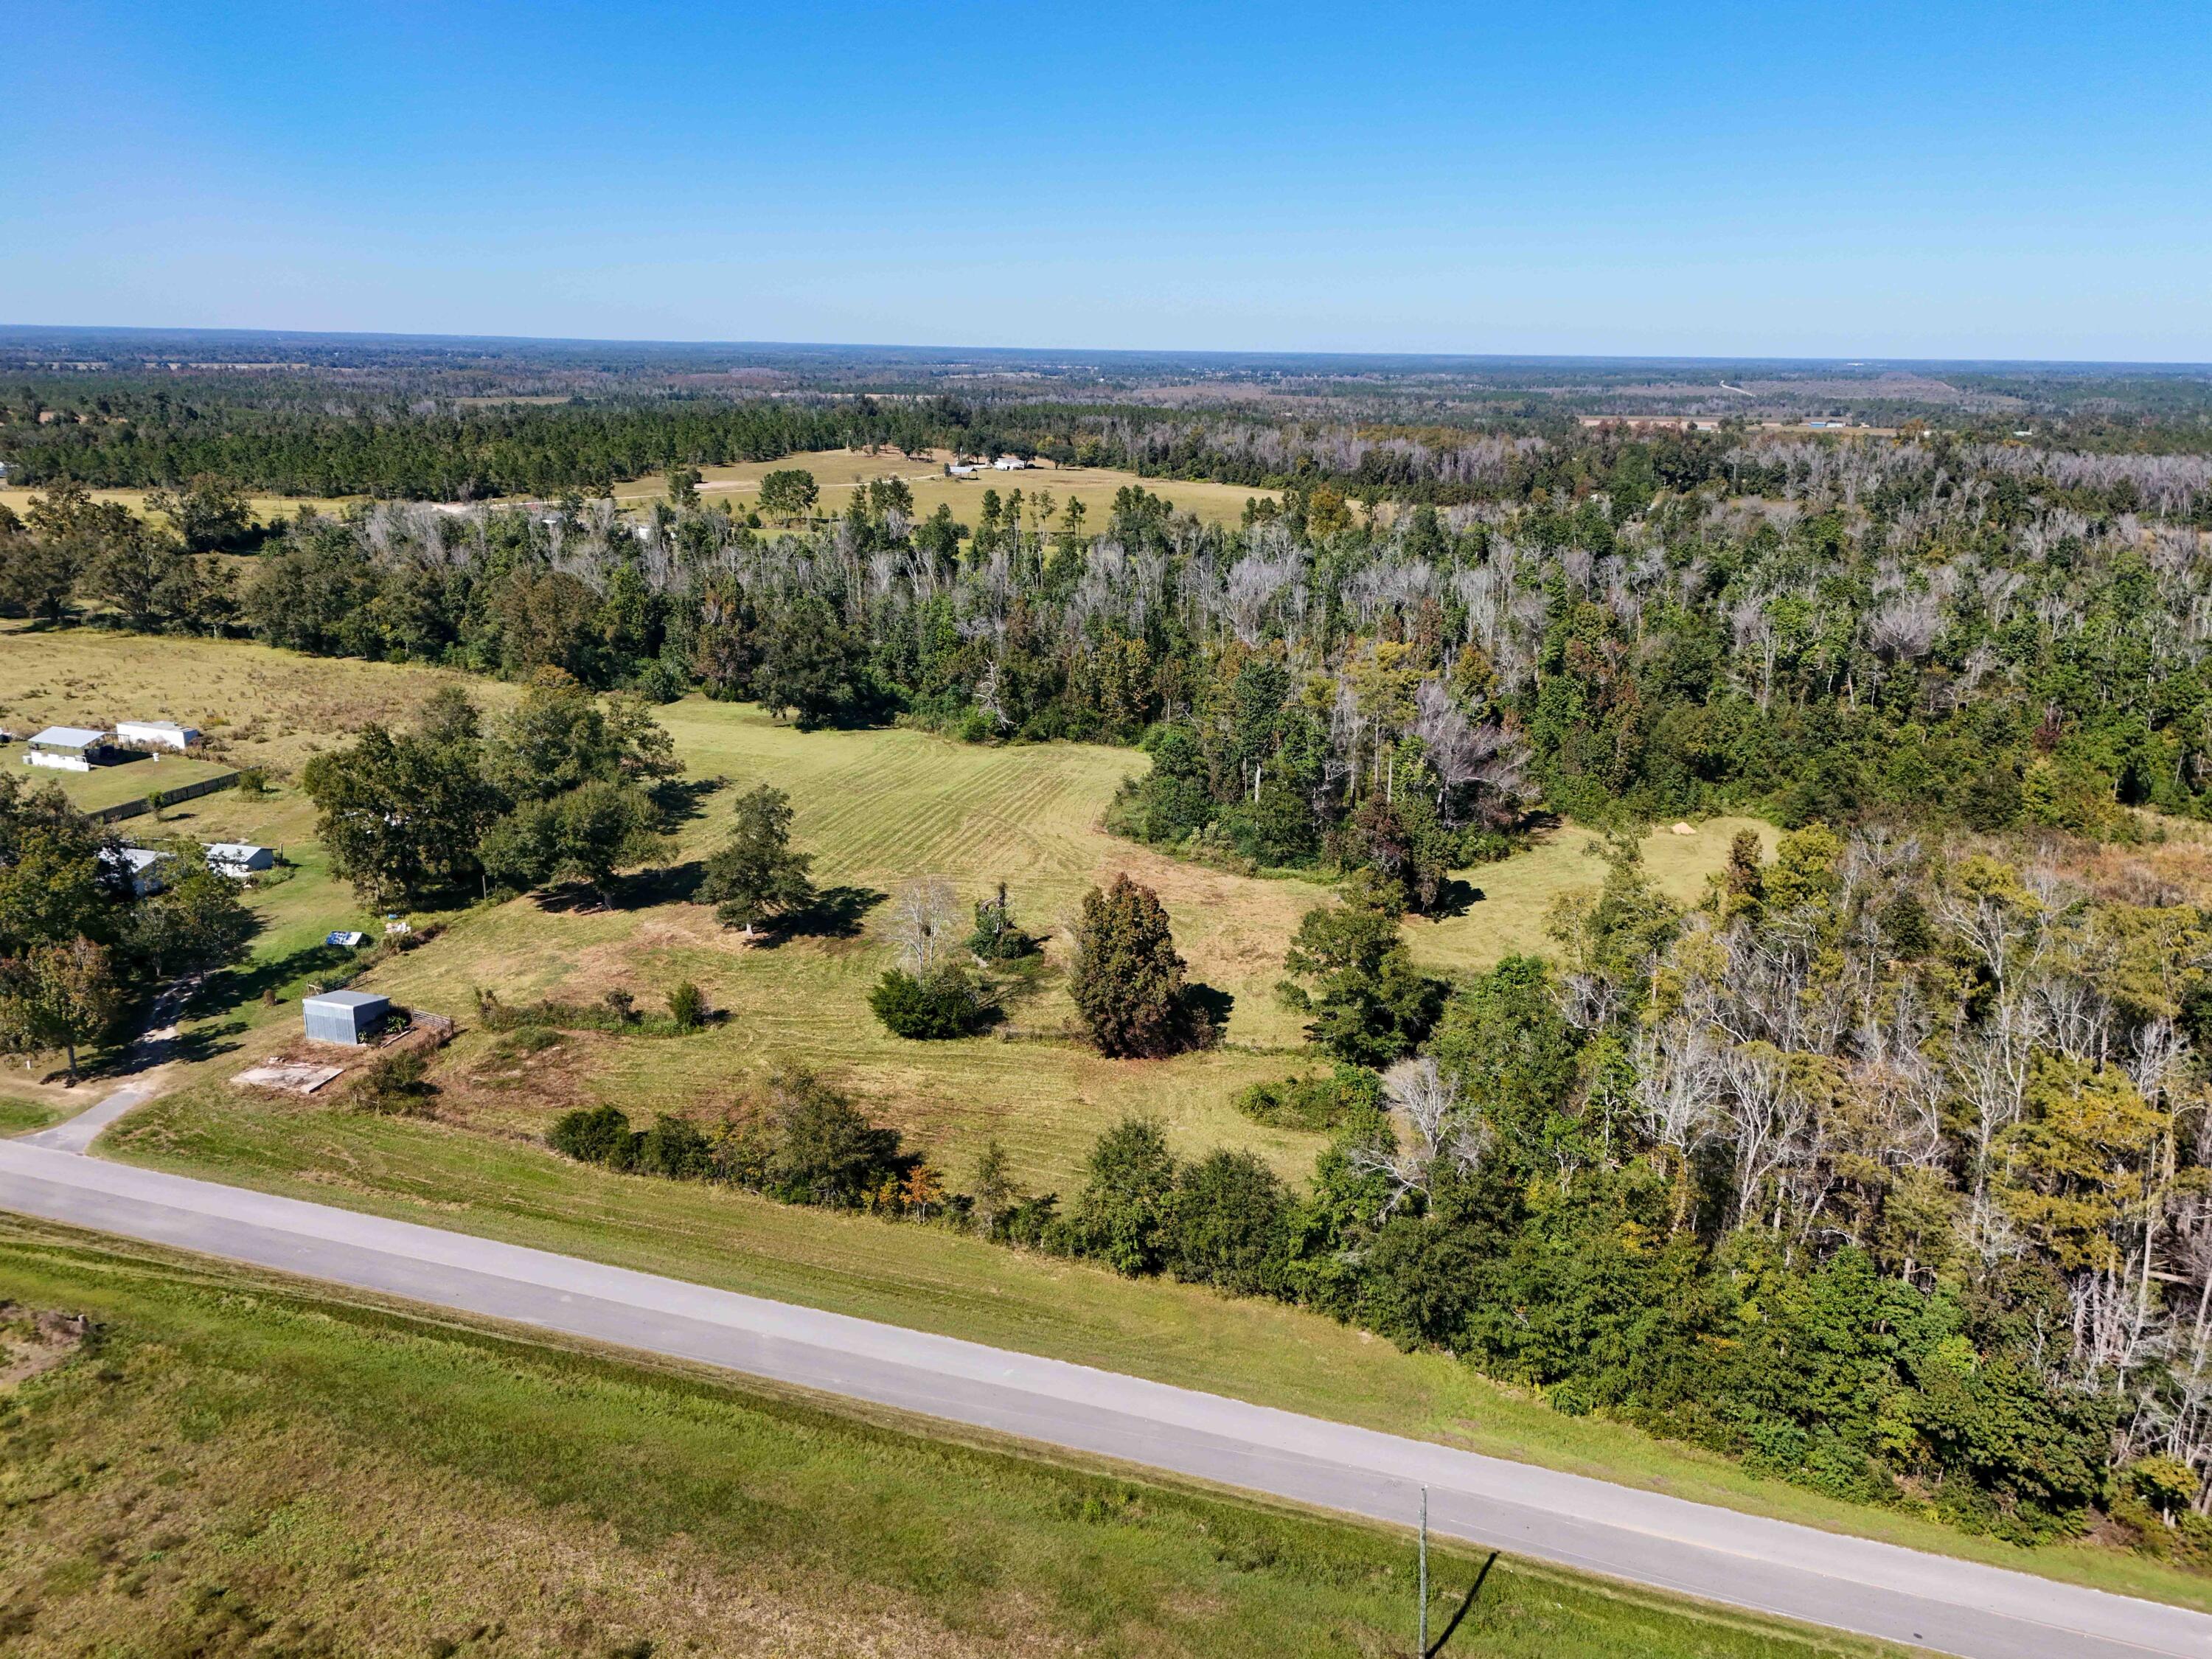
[685,800]
[677,884]
[234,986]
[1454,897]
[835,913]
[1207,1007]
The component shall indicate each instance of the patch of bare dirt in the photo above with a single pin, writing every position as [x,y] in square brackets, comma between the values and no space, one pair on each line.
[33,1342]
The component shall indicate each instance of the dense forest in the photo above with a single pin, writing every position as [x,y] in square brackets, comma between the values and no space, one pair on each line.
[1886,1168]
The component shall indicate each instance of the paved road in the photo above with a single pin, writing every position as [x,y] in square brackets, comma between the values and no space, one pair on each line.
[1848,1582]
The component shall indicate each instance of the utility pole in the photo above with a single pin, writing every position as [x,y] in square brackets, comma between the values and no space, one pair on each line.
[1424,1649]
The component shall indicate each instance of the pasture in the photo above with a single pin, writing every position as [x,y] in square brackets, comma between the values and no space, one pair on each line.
[837,470]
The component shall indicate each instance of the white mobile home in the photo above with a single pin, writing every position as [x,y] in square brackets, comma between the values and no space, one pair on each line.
[157,734]
[69,749]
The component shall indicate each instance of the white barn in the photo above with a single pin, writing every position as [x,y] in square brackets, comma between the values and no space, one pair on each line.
[157,734]
[68,749]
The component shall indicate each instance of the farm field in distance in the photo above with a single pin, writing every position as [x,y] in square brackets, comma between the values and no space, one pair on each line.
[836,471]
[244,1462]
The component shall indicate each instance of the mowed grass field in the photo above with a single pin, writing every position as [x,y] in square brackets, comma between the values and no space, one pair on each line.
[266,508]
[128,780]
[240,1463]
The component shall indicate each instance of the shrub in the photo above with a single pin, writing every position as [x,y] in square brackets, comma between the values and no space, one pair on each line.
[1227,1224]
[1122,1216]
[997,937]
[675,1148]
[1314,1103]
[687,1007]
[944,1002]
[394,1085]
[823,1150]
[595,1134]
[253,783]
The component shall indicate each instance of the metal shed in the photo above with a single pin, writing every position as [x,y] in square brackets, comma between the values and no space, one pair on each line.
[346,1016]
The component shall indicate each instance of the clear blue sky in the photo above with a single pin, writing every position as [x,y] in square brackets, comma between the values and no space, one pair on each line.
[1842,180]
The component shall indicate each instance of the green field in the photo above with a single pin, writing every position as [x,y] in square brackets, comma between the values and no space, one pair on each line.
[240,1464]
[111,786]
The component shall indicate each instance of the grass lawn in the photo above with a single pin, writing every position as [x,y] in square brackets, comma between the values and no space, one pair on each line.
[240,1463]
[930,1279]
[133,779]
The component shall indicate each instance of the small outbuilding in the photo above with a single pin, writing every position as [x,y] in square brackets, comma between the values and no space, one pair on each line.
[69,749]
[157,734]
[238,859]
[140,866]
[348,1016]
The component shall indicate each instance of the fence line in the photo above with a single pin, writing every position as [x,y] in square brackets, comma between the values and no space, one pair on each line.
[183,792]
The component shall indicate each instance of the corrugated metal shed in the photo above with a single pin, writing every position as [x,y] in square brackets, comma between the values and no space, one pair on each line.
[344,1016]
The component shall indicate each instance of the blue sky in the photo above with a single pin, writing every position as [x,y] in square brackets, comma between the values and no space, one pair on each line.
[1938,180]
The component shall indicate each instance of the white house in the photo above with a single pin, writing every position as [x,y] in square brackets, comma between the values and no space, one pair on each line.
[68,749]
[238,859]
[142,865]
[1010,464]
[157,734]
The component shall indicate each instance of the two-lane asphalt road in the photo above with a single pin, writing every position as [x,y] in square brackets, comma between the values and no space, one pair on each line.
[1825,1578]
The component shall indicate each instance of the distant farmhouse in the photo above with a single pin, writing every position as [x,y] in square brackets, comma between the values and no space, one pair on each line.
[156,734]
[1010,464]
[69,749]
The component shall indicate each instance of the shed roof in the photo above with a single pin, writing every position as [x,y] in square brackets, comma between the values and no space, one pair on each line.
[229,852]
[345,1000]
[154,725]
[71,737]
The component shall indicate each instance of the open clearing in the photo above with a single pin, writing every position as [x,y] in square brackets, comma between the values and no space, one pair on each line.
[246,1464]
[837,470]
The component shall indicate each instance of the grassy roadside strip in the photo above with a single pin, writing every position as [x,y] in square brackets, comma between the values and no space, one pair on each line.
[957,1286]
[241,1462]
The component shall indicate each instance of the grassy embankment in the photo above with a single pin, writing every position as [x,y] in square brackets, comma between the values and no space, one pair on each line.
[238,1464]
